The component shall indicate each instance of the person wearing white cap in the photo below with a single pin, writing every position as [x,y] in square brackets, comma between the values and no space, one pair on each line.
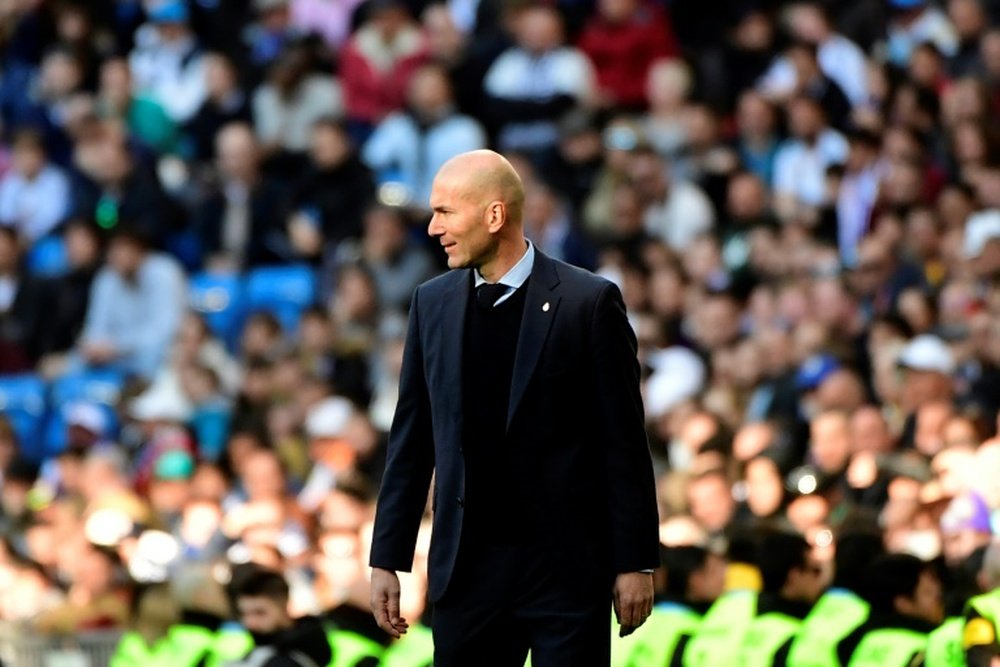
[928,365]
[326,425]
[86,424]
[86,429]
[981,243]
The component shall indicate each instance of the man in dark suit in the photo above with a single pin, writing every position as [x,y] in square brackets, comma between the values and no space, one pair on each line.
[520,393]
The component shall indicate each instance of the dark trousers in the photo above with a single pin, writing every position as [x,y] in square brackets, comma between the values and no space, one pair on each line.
[504,600]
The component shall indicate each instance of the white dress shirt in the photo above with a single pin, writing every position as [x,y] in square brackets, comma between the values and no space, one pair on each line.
[34,206]
[517,276]
[800,168]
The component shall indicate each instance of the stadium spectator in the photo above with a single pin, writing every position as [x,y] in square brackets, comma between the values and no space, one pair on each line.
[623,39]
[146,119]
[136,305]
[66,296]
[841,59]
[225,102]
[34,194]
[397,264]
[270,33]
[49,105]
[811,80]
[167,62]
[675,212]
[377,64]
[94,599]
[332,194]
[668,87]
[915,22]
[20,307]
[905,594]
[291,100]
[113,186]
[800,164]
[792,580]
[548,222]
[241,222]
[531,83]
[260,598]
[410,146]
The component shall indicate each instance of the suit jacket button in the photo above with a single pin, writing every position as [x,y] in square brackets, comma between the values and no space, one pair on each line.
[461,501]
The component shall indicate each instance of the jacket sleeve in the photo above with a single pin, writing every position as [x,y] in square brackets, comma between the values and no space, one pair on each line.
[409,462]
[634,535]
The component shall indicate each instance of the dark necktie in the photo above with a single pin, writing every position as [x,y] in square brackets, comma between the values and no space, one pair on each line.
[487,294]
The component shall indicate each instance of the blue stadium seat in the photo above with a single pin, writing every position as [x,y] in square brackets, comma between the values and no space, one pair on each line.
[47,257]
[22,400]
[284,291]
[219,299]
[99,385]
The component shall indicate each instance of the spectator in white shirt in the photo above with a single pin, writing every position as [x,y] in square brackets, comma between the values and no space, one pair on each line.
[858,193]
[840,59]
[410,146]
[292,99]
[534,82]
[34,194]
[915,22]
[801,163]
[675,212]
[167,64]
[137,302]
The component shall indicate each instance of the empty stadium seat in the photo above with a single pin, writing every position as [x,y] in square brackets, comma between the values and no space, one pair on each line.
[219,299]
[47,257]
[22,401]
[284,291]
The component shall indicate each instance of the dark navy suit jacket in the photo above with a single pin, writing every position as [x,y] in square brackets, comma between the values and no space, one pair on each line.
[575,414]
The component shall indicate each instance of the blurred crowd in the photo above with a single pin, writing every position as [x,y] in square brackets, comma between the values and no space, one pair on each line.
[212,217]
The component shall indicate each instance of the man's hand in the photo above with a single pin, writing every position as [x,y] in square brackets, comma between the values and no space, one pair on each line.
[633,600]
[385,602]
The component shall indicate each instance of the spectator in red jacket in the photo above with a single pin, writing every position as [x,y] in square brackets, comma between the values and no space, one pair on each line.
[377,63]
[623,39]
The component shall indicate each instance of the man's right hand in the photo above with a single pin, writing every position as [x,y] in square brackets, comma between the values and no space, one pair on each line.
[385,602]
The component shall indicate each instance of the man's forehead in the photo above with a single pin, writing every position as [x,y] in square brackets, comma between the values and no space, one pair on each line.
[453,184]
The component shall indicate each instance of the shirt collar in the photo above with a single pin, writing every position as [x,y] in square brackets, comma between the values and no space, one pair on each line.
[518,274]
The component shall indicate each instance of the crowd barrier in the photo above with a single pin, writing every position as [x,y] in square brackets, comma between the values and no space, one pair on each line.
[20,648]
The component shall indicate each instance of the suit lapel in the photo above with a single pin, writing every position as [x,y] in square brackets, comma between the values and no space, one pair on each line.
[540,305]
[452,319]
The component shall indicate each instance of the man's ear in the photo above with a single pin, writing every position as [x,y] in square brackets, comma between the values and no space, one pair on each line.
[496,215]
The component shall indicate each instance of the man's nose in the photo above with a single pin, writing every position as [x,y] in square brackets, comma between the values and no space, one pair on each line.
[433,227]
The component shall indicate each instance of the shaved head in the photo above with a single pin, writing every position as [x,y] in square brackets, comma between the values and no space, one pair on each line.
[485,176]
[477,202]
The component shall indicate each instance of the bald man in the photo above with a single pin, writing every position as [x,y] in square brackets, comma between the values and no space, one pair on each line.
[519,394]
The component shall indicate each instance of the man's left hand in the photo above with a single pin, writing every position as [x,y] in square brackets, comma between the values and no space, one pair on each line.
[633,598]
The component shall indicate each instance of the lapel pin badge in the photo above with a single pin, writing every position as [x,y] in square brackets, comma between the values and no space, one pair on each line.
[545,307]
